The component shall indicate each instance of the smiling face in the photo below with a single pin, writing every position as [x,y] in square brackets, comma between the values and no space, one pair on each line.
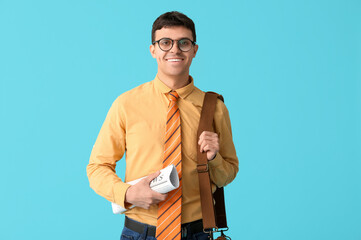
[174,63]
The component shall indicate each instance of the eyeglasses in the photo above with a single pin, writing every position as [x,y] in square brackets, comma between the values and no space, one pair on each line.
[166,44]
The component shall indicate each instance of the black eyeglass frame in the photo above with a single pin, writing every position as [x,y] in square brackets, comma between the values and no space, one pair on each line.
[193,43]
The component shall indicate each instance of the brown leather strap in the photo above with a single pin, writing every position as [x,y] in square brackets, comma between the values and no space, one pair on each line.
[213,216]
[220,207]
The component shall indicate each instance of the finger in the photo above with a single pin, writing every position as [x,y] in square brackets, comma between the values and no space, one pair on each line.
[207,136]
[150,178]
[205,146]
[210,148]
[203,134]
[211,140]
[159,197]
[201,146]
[211,156]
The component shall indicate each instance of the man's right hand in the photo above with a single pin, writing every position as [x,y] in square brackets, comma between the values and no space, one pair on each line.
[141,195]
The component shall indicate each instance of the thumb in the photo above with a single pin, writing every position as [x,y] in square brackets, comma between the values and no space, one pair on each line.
[150,177]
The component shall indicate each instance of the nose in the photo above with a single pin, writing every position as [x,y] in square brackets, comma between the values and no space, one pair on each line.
[175,48]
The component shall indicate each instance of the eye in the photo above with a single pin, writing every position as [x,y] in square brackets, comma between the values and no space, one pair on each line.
[184,42]
[165,42]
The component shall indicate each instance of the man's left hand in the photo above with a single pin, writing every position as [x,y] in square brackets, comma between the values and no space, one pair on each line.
[209,142]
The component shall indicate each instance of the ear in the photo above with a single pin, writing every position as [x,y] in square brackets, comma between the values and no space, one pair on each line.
[195,49]
[152,50]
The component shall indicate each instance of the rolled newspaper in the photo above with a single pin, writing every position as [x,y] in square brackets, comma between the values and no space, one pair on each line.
[166,181]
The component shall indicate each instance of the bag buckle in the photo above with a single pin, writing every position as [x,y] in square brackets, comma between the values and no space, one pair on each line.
[223,236]
[201,168]
[216,230]
[210,231]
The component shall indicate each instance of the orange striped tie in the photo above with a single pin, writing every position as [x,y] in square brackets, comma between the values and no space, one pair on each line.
[169,211]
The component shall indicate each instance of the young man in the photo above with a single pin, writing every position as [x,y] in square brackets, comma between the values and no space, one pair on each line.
[156,125]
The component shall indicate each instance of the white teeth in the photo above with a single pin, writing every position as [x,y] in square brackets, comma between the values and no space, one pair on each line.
[174,60]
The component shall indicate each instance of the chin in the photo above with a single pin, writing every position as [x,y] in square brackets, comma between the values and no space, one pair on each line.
[177,74]
[180,71]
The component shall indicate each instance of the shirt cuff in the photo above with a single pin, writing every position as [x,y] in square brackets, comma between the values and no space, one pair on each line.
[120,189]
[217,160]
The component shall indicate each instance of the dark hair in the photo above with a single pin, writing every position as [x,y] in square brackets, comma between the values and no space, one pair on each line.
[174,18]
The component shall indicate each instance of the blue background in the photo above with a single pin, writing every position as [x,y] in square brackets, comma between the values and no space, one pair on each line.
[290,72]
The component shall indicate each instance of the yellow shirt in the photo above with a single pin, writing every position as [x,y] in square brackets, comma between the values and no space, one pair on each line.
[135,125]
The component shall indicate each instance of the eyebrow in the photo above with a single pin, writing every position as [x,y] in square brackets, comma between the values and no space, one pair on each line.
[176,39]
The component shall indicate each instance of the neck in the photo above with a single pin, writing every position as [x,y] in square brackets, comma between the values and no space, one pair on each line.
[174,82]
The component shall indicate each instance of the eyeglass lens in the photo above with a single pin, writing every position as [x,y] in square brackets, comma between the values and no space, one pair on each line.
[183,44]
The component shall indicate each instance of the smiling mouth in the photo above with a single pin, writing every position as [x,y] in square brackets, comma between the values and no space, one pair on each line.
[174,59]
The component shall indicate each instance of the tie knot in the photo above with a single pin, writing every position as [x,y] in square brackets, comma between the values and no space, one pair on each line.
[173,96]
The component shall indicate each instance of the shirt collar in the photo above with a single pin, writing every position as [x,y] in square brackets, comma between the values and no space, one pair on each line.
[182,92]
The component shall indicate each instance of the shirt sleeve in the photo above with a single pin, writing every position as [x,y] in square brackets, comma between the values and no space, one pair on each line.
[224,167]
[107,150]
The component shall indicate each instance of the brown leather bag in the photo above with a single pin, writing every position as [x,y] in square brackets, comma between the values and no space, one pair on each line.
[213,205]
